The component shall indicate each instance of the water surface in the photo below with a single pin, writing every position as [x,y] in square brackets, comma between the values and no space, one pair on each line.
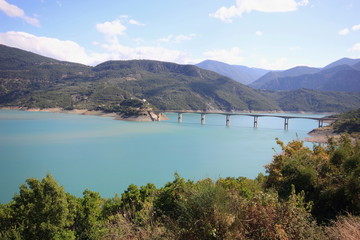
[106,155]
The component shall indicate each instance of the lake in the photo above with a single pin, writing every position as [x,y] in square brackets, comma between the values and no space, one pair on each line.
[107,155]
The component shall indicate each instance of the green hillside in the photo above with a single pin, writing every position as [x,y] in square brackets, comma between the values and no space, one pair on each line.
[171,86]
[22,73]
[348,122]
[44,83]
[31,81]
[312,100]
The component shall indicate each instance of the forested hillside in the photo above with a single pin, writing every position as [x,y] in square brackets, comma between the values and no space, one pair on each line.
[28,80]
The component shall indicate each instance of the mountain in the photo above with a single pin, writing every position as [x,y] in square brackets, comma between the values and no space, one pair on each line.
[174,86]
[22,72]
[356,66]
[242,74]
[272,78]
[31,81]
[342,75]
[311,100]
[343,61]
[342,78]
[45,83]
[14,59]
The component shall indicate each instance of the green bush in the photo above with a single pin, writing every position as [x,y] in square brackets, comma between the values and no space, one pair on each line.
[328,175]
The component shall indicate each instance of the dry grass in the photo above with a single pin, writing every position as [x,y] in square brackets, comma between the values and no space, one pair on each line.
[345,228]
[121,228]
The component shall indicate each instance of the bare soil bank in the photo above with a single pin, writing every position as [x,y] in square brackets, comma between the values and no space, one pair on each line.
[321,135]
[146,116]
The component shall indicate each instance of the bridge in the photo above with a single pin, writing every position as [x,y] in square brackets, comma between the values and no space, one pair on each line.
[254,115]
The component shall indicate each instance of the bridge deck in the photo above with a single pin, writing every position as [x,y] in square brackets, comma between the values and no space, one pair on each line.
[252,115]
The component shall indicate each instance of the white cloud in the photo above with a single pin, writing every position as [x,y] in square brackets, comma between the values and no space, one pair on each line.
[115,50]
[14,11]
[231,56]
[166,39]
[356,27]
[344,31]
[50,47]
[134,22]
[356,47]
[131,21]
[73,52]
[303,3]
[177,39]
[226,14]
[120,52]
[279,64]
[259,33]
[181,38]
[111,29]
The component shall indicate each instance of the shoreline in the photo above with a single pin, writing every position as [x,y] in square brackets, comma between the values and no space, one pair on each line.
[317,135]
[148,116]
[321,135]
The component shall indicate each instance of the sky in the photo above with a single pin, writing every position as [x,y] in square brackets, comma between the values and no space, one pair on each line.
[270,34]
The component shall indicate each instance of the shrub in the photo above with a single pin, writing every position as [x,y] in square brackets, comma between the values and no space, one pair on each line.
[208,210]
[328,175]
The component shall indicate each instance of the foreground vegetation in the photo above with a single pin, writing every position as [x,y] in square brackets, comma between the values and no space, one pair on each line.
[306,194]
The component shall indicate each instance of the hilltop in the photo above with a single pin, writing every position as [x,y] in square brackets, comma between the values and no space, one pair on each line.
[239,73]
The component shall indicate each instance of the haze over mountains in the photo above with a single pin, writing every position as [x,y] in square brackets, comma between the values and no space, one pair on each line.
[341,75]
[241,74]
[32,81]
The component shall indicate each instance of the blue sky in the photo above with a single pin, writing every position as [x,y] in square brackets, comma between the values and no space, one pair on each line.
[272,34]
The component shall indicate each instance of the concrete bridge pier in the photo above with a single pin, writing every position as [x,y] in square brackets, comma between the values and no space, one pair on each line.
[321,123]
[286,124]
[255,121]
[179,117]
[228,120]
[203,118]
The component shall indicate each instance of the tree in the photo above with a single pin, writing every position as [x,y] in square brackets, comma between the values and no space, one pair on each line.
[89,222]
[41,210]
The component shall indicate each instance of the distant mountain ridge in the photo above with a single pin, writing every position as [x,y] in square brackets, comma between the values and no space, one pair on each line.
[242,74]
[343,61]
[29,80]
[342,75]
[274,76]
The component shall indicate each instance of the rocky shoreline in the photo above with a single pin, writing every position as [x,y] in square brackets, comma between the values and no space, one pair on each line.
[321,135]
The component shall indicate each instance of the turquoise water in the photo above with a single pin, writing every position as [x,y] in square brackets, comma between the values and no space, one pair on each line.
[106,155]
